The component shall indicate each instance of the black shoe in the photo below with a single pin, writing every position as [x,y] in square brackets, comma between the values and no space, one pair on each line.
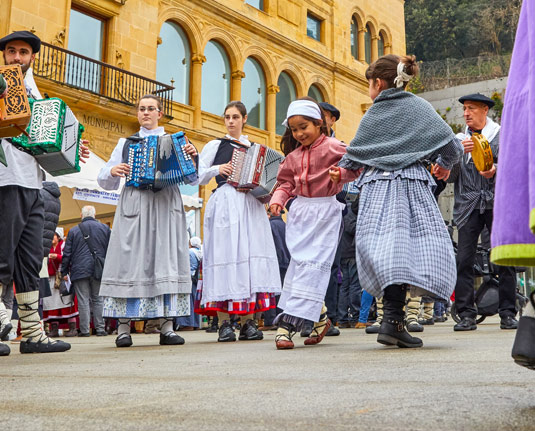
[524,346]
[374,329]
[414,326]
[393,333]
[102,334]
[440,319]
[508,322]
[84,334]
[466,324]
[171,339]
[123,340]
[4,331]
[430,321]
[307,329]
[46,345]
[226,333]
[250,331]
[4,349]
[333,331]
[212,329]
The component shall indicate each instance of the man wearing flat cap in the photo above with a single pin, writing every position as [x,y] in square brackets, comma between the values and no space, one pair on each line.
[332,115]
[473,211]
[22,218]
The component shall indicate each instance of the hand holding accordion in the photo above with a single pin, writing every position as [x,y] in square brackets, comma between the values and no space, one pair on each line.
[157,162]
[255,168]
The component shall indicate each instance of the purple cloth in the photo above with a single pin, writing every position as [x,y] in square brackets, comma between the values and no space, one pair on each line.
[512,238]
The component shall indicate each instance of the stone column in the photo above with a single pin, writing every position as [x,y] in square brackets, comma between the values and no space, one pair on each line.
[271,108]
[362,47]
[375,47]
[197,61]
[235,85]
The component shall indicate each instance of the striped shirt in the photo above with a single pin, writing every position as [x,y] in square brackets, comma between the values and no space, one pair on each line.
[472,190]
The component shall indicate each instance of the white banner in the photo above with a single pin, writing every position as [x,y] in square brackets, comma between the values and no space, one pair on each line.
[101,197]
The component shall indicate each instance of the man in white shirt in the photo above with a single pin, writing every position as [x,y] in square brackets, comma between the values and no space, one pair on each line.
[22,217]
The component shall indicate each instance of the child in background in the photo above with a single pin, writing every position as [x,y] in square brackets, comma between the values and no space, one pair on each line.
[314,219]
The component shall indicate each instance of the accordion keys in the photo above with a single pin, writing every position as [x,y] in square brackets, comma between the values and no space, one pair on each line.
[15,110]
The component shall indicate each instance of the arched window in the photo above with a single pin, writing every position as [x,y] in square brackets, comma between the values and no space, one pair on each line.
[355,38]
[215,90]
[253,90]
[381,45]
[368,44]
[285,96]
[173,61]
[315,93]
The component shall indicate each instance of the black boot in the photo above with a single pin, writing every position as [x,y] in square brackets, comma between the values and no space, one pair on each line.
[524,346]
[392,331]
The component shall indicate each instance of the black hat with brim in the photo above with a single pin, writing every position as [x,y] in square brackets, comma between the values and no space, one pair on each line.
[478,97]
[26,36]
[332,109]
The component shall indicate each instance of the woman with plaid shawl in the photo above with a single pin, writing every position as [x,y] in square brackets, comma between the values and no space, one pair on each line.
[401,239]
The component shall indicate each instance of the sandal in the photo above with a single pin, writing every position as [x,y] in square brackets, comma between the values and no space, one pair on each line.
[283,340]
[319,331]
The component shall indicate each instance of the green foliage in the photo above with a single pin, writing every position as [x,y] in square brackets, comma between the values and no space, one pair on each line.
[439,29]
[498,107]
[456,127]
[415,85]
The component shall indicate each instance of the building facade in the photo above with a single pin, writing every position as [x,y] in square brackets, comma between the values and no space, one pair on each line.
[101,55]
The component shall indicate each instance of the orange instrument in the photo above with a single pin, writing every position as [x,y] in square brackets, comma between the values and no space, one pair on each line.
[15,110]
[482,153]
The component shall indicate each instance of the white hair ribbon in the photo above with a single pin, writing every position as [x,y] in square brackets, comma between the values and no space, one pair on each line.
[402,76]
[306,108]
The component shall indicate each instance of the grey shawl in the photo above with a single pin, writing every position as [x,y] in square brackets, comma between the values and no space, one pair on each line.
[398,130]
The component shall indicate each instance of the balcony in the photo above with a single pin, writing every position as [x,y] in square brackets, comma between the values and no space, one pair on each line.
[77,71]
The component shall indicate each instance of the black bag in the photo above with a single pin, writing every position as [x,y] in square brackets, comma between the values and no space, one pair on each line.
[97,260]
[63,291]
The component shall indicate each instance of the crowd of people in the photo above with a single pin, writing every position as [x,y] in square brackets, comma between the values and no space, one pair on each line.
[323,269]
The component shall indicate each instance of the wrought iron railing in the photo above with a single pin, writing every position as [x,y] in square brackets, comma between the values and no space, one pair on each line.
[435,75]
[77,71]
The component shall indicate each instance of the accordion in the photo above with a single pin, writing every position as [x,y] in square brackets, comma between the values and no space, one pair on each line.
[157,162]
[14,108]
[255,168]
[54,136]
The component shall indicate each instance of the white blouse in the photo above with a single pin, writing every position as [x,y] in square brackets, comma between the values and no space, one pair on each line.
[206,159]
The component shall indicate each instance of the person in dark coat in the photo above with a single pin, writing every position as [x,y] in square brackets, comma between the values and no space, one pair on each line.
[278,230]
[79,264]
[350,290]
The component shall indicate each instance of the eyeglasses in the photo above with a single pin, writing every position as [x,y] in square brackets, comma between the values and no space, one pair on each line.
[148,108]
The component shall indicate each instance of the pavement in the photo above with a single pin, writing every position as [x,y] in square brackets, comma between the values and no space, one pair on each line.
[457,381]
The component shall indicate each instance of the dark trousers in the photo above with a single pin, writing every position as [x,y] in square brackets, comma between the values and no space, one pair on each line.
[269,316]
[350,292]
[466,252]
[21,237]
[331,296]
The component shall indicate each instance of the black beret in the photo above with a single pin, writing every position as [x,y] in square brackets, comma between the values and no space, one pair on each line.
[478,97]
[328,107]
[26,36]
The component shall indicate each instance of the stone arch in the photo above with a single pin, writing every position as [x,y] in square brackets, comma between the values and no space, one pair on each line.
[264,59]
[387,36]
[187,24]
[297,76]
[323,85]
[228,43]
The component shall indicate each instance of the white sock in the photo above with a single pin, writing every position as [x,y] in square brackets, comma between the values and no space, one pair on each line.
[4,316]
[30,322]
[166,325]
[124,327]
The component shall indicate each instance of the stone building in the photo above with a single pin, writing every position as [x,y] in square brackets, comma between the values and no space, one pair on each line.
[101,55]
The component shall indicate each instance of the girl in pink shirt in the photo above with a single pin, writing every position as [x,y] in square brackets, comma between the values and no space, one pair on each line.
[314,219]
